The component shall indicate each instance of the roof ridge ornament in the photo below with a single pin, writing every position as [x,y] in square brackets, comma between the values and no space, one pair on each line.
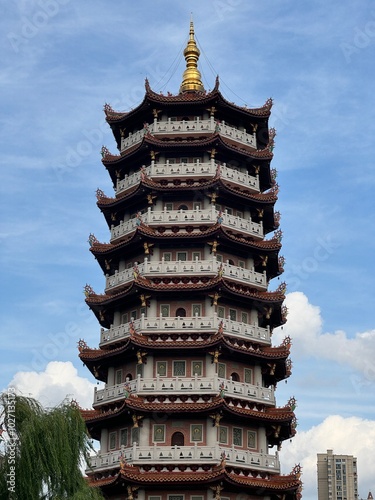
[191,78]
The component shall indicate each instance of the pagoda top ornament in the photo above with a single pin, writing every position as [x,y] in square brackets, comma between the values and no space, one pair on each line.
[191,78]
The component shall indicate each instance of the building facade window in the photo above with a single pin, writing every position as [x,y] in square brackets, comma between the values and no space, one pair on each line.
[223,435]
[112,440]
[196,432]
[159,433]
[237,436]
[179,368]
[161,368]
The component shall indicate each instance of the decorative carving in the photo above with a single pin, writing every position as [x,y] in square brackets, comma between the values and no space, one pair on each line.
[213,245]
[264,259]
[217,491]
[144,300]
[216,419]
[82,345]
[100,194]
[215,297]
[88,290]
[140,356]
[213,197]
[296,471]
[212,153]
[92,239]
[215,356]
[281,288]
[278,235]
[292,403]
[151,198]
[104,152]
[136,419]
[148,248]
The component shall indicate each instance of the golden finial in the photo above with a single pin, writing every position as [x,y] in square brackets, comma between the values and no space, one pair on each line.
[191,79]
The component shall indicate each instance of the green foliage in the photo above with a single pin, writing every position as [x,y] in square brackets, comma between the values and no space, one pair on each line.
[49,448]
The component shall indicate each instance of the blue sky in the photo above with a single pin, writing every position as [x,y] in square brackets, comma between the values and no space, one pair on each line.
[62,60]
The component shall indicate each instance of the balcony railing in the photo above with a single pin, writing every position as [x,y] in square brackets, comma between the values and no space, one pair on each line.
[212,267]
[195,127]
[186,385]
[193,218]
[197,170]
[188,325]
[185,455]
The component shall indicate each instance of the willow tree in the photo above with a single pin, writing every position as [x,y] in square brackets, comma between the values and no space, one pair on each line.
[43,451]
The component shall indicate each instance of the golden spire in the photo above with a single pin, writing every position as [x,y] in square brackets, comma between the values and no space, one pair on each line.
[191,79]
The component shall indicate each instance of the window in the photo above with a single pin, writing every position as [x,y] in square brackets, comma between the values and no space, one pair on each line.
[161,368]
[159,433]
[112,440]
[223,435]
[196,255]
[196,309]
[219,257]
[221,312]
[184,160]
[248,376]
[239,214]
[196,432]
[181,312]
[124,437]
[244,317]
[135,435]
[233,314]
[241,264]
[175,497]
[143,311]
[168,206]
[125,318]
[228,211]
[133,314]
[139,370]
[221,370]
[167,256]
[251,440]
[237,436]
[164,310]
[154,498]
[196,368]
[197,205]
[181,256]
[118,377]
[179,368]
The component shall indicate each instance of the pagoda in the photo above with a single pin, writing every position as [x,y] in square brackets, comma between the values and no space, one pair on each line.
[188,409]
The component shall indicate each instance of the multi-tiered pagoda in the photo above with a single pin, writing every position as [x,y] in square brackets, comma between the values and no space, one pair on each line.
[188,410]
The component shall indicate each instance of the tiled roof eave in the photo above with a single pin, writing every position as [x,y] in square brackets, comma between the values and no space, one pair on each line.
[261,245]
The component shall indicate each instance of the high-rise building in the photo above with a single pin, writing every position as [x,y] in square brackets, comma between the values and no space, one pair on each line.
[337,477]
[188,411]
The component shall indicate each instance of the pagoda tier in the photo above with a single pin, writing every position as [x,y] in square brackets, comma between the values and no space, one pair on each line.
[149,148]
[265,251]
[188,408]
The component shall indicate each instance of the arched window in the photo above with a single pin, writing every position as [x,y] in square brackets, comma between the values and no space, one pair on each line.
[128,377]
[235,377]
[177,439]
[181,312]
[183,207]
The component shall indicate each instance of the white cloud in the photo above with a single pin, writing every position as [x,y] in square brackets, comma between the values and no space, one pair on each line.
[51,386]
[348,436]
[305,327]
